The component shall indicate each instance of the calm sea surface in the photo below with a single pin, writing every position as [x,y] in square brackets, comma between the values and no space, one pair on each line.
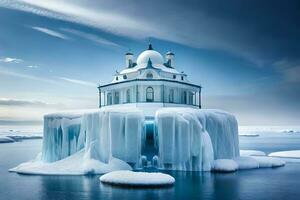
[277,183]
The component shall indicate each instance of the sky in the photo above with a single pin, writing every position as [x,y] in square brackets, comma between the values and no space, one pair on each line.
[245,54]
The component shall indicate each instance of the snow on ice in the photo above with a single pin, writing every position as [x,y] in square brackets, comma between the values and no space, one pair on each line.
[131,178]
[224,165]
[286,154]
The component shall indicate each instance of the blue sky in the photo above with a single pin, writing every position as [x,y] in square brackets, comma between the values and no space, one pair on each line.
[244,54]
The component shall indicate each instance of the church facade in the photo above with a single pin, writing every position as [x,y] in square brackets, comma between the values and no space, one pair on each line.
[150,82]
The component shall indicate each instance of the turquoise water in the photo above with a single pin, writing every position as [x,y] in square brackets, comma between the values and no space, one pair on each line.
[277,183]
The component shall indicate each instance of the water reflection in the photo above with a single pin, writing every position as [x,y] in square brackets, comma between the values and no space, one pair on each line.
[277,183]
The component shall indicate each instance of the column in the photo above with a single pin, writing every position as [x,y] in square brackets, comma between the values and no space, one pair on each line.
[99,97]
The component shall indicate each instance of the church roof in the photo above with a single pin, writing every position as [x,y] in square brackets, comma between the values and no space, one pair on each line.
[156,59]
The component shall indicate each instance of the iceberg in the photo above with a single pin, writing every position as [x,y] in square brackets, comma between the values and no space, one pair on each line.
[119,138]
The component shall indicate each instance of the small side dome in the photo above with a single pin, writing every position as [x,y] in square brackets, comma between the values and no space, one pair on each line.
[170,53]
[128,53]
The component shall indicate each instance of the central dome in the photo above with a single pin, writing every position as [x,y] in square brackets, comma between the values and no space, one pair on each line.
[155,57]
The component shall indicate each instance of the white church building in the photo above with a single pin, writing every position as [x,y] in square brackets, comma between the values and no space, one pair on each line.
[150,82]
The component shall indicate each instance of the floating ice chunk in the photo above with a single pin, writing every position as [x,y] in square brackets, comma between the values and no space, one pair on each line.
[252,153]
[5,139]
[265,161]
[25,137]
[246,162]
[131,178]
[249,134]
[286,154]
[224,165]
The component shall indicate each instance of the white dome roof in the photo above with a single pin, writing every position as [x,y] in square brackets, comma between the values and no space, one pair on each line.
[155,57]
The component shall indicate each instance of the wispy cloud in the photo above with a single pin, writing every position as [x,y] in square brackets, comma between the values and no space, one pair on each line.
[290,70]
[31,103]
[138,23]
[91,37]
[5,72]
[11,60]
[51,32]
[292,74]
[33,66]
[80,82]
[86,15]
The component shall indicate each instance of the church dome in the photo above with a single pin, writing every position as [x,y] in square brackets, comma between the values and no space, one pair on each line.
[155,57]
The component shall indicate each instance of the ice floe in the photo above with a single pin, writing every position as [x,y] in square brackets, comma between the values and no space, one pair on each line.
[252,153]
[286,154]
[130,178]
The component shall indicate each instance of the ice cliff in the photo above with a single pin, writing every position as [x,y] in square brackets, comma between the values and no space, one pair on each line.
[108,139]
[190,139]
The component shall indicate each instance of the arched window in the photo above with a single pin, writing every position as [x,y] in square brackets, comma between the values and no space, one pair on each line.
[128,96]
[149,94]
[182,78]
[109,99]
[171,96]
[117,78]
[125,76]
[191,97]
[184,97]
[149,75]
[116,98]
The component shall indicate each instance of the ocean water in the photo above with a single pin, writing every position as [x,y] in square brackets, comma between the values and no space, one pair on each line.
[277,183]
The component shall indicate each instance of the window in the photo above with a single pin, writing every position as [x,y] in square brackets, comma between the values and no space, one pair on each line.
[149,94]
[149,75]
[117,78]
[171,96]
[182,78]
[174,76]
[109,99]
[128,96]
[116,98]
[191,97]
[125,76]
[184,97]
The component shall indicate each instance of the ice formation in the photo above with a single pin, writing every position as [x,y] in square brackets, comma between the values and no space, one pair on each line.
[246,162]
[190,139]
[224,165]
[265,161]
[109,139]
[252,153]
[5,139]
[131,178]
[286,154]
